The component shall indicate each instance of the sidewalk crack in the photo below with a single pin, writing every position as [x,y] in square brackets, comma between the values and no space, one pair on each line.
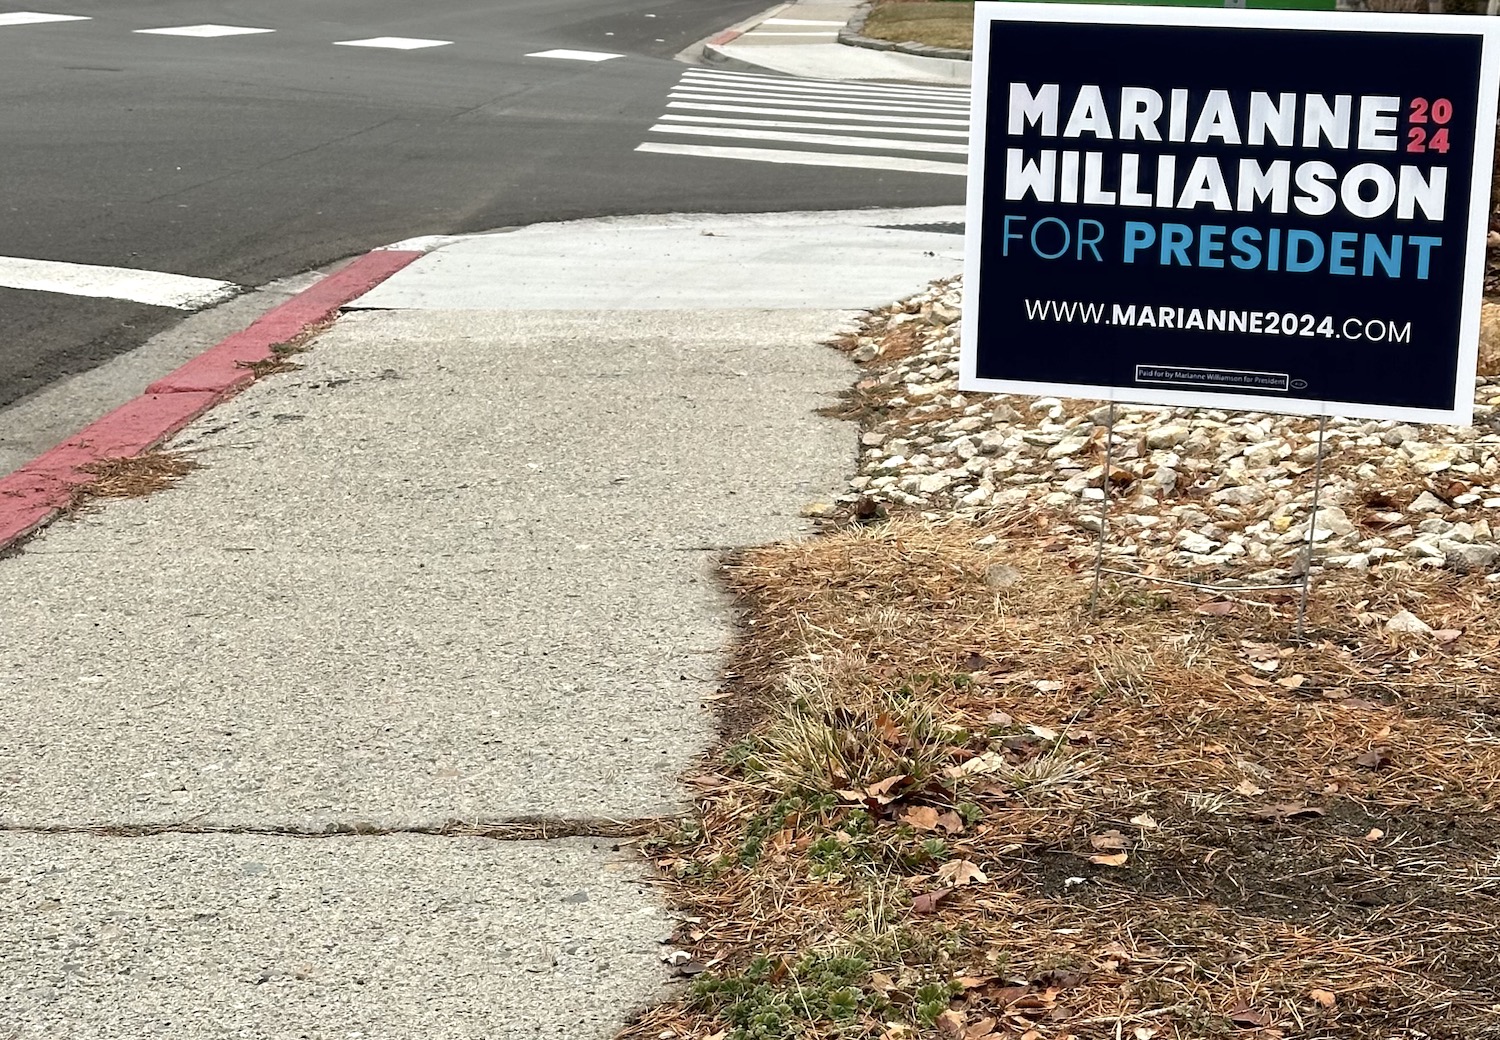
[516,828]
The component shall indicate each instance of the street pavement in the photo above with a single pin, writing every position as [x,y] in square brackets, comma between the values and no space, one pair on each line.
[454,576]
[246,144]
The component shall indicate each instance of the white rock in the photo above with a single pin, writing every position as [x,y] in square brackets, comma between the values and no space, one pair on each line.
[1423,548]
[1166,437]
[1407,622]
[1193,542]
[1466,557]
[1426,502]
[1066,448]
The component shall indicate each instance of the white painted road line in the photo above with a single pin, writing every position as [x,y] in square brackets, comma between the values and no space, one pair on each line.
[821,89]
[204,31]
[395,43]
[818,94]
[695,94]
[37,18]
[820,122]
[773,155]
[788,124]
[834,140]
[567,55]
[113,283]
[696,106]
[727,78]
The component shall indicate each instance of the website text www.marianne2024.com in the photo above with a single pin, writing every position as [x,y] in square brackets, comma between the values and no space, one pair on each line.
[1252,323]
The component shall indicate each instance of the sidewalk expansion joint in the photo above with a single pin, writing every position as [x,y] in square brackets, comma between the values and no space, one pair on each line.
[519,828]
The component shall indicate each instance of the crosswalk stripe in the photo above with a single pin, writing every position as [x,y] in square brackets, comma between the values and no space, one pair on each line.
[835,140]
[112,283]
[821,90]
[787,124]
[840,85]
[784,99]
[699,106]
[38,18]
[772,155]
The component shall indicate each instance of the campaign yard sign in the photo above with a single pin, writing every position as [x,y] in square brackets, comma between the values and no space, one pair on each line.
[1268,210]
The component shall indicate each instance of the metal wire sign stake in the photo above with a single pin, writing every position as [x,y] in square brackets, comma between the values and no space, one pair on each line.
[1305,561]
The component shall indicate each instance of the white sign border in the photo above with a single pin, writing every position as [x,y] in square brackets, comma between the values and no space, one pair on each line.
[1488,29]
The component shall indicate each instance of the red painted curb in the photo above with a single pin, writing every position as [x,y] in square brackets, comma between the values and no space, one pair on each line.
[222,369]
[727,36]
[35,494]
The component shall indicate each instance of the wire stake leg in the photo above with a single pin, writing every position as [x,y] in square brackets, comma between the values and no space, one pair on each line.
[1312,529]
[1109,464]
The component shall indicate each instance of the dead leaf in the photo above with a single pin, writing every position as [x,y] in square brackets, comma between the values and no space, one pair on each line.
[881,983]
[951,822]
[1118,859]
[1447,635]
[1286,811]
[1145,821]
[921,817]
[1109,841]
[989,762]
[1248,789]
[887,729]
[957,872]
[927,902]
[881,789]
[1001,719]
[1145,1032]
[1265,666]
[1375,758]
[1292,682]
[1217,608]
[951,1023]
[981,1030]
[1375,834]
[1252,680]
[1007,995]
[1324,997]
[1042,731]
[1246,1018]
[1047,686]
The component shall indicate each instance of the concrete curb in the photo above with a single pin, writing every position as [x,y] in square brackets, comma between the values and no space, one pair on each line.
[34,495]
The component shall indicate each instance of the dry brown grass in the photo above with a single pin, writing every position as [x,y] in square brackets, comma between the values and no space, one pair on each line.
[949,808]
[133,477]
[282,353]
[946,23]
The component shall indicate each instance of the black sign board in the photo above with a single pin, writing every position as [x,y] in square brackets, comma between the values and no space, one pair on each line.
[1270,210]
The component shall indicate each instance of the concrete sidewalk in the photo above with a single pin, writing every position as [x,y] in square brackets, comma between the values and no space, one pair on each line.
[280,743]
[801,39]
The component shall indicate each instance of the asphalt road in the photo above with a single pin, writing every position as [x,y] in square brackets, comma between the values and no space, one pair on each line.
[252,157]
